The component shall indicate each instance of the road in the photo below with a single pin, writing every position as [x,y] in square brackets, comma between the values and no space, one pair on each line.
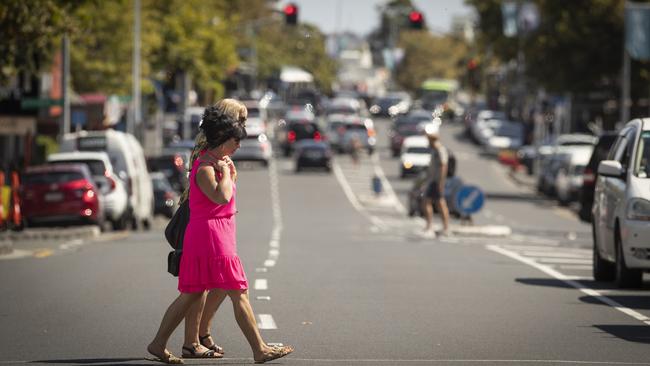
[342,276]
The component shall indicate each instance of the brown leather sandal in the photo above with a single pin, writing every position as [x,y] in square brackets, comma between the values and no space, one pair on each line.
[213,347]
[277,352]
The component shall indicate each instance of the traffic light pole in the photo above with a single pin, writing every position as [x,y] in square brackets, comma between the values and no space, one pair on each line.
[65,81]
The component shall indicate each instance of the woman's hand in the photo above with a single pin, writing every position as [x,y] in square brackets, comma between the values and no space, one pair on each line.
[231,165]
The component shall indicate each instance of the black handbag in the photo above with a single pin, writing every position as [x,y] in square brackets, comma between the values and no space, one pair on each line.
[174,233]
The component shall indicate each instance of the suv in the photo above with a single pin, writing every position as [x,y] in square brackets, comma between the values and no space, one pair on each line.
[621,210]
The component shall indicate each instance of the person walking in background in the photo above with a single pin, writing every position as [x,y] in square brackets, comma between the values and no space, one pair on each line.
[436,178]
[210,268]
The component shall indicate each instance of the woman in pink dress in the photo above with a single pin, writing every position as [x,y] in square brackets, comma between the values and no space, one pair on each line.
[210,269]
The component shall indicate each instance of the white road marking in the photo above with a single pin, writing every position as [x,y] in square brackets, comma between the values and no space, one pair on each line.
[274,254]
[261,269]
[379,172]
[264,298]
[577,267]
[556,260]
[269,263]
[572,282]
[265,321]
[261,284]
[557,255]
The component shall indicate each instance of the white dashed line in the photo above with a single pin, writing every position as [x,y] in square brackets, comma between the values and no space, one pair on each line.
[269,263]
[265,321]
[572,281]
[261,284]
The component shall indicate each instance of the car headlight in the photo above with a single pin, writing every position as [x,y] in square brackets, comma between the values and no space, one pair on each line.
[638,209]
[407,164]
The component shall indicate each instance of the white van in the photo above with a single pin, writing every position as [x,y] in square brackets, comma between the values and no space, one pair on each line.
[127,158]
[116,199]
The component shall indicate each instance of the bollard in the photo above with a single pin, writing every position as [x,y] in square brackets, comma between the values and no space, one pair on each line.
[376,185]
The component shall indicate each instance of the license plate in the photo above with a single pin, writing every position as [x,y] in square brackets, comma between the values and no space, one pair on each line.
[313,155]
[53,197]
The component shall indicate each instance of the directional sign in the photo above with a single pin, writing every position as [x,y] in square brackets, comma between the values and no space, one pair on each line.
[35,103]
[469,200]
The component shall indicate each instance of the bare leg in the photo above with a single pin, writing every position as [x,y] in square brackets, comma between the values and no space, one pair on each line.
[170,321]
[246,320]
[428,213]
[214,299]
[192,320]
[444,212]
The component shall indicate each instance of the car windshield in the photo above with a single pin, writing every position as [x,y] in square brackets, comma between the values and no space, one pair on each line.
[51,177]
[409,129]
[642,166]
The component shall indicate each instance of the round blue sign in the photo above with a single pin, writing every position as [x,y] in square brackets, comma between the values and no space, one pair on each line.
[469,200]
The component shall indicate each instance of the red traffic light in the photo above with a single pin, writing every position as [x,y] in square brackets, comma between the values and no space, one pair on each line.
[291,14]
[415,16]
[290,9]
[416,20]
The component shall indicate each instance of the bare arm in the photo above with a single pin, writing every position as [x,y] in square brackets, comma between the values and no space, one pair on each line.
[219,192]
[443,177]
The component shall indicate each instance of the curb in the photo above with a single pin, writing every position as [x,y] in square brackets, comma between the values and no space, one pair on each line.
[65,233]
[6,244]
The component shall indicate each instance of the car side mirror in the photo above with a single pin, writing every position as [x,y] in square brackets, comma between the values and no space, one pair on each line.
[611,168]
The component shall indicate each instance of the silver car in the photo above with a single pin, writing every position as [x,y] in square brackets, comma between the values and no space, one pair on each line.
[621,209]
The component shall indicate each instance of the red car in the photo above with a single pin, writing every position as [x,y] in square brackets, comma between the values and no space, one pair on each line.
[59,194]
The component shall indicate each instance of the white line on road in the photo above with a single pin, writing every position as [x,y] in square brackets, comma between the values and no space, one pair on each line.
[265,321]
[274,254]
[584,255]
[563,260]
[577,267]
[387,186]
[269,263]
[577,285]
[261,284]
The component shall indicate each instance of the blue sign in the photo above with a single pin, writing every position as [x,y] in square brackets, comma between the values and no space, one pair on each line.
[469,200]
[79,118]
[637,30]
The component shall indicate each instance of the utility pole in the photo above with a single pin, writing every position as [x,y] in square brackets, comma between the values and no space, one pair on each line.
[65,80]
[625,95]
[137,115]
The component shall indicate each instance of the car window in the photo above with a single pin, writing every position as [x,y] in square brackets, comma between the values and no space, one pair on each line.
[642,166]
[418,150]
[96,166]
[51,177]
[614,151]
[627,149]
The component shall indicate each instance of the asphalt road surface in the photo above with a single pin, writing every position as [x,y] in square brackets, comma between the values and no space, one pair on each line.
[343,277]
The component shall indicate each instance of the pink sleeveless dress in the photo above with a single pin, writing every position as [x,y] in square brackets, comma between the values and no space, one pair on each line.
[210,257]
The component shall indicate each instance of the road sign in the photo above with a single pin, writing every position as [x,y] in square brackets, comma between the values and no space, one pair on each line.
[469,200]
[35,103]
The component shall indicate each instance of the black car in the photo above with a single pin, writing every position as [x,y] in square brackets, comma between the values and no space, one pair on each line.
[313,154]
[165,198]
[589,176]
[295,131]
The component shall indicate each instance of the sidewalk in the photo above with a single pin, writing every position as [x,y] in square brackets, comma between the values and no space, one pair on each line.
[9,239]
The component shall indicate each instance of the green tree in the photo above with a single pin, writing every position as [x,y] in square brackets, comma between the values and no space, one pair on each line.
[428,56]
[31,33]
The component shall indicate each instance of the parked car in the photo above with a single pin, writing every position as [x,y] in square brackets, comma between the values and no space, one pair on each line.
[60,194]
[362,129]
[109,185]
[477,124]
[568,180]
[548,153]
[605,142]
[507,136]
[166,198]
[173,166]
[128,160]
[549,174]
[313,154]
[621,210]
[416,155]
[392,104]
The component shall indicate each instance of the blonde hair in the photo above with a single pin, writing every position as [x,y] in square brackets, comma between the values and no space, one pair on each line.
[231,108]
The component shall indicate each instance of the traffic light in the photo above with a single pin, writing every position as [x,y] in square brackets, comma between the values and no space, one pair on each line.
[291,14]
[416,20]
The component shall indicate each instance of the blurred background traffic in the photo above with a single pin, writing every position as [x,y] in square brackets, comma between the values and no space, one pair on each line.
[100,101]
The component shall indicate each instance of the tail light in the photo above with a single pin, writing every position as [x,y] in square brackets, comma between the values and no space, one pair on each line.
[371,132]
[317,136]
[291,136]
[168,196]
[588,177]
[111,182]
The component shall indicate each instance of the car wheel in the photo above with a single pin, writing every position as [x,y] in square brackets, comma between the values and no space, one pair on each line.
[120,223]
[602,269]
[625,277]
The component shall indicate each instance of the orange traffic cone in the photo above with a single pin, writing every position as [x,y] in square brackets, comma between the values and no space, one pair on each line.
[3,224]
[15,215]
